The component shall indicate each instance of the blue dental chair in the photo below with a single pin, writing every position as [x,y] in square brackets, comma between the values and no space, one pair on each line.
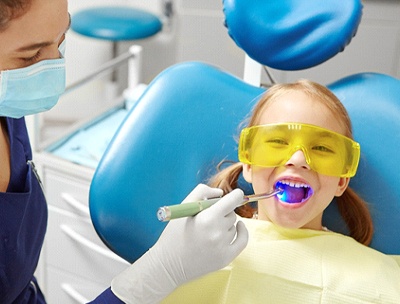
[188,119]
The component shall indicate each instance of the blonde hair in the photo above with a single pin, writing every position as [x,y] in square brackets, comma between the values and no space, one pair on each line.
[352,207]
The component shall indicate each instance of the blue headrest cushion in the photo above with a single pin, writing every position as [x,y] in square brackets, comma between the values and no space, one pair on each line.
[292,34]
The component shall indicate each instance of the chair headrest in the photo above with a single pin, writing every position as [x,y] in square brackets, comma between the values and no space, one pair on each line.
[292,34]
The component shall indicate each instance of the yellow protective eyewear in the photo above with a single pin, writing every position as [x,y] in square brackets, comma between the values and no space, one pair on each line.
[325,151]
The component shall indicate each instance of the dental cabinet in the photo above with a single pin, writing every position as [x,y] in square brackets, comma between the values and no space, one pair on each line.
[75,265]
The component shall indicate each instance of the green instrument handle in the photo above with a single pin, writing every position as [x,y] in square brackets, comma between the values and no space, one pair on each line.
[167,213]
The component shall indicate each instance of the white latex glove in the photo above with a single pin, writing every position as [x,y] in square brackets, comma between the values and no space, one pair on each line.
[187,249]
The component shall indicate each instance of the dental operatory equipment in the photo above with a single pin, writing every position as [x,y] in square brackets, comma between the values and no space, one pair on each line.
[167,213]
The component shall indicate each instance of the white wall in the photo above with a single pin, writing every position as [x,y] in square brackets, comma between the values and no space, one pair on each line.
[197,33]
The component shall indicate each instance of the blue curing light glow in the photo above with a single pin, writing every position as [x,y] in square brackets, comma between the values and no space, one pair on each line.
[282,196]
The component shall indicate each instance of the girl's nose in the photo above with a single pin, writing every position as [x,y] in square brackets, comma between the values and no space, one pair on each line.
[298,159]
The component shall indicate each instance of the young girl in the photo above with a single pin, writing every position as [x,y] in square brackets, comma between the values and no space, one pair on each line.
[299,140]
[310,103]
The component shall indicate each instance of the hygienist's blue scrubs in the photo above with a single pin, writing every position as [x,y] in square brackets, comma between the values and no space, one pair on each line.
[23,221]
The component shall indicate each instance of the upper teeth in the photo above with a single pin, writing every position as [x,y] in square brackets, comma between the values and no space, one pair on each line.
[294,184]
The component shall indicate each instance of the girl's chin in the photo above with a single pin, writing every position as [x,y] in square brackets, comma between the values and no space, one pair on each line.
[287,218]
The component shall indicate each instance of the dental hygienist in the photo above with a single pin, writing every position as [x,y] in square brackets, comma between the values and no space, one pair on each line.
[32,77]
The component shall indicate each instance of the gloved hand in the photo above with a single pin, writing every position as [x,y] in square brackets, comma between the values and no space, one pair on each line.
[187,249]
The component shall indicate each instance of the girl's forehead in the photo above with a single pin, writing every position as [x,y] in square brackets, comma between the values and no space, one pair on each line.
[299,107]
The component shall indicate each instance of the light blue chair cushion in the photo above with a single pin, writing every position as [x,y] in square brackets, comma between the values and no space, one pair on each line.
[187,122]
[292,34]
[115,23]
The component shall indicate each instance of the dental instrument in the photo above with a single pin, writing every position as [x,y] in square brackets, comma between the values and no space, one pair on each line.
[167,213]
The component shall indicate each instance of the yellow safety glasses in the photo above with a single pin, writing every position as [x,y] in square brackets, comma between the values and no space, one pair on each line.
[326,152]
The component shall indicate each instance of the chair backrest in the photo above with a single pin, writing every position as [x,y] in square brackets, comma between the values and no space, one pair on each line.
[187,120]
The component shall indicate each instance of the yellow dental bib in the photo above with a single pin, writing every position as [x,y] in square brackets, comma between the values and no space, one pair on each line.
[285,266]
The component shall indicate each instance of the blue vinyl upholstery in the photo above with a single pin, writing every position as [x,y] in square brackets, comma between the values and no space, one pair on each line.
[115,23]
[292,34]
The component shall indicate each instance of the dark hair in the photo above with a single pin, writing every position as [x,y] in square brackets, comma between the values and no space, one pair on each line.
[352,207]
[11,9]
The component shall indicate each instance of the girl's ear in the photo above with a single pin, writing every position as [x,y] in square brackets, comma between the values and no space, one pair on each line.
[342,185]
[247,173]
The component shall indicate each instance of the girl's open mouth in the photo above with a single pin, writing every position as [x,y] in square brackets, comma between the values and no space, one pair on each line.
[293,192]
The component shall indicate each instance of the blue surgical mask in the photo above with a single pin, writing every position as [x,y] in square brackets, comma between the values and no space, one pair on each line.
[32,89]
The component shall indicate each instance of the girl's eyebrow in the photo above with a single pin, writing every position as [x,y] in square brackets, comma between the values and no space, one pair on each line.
[39,45]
